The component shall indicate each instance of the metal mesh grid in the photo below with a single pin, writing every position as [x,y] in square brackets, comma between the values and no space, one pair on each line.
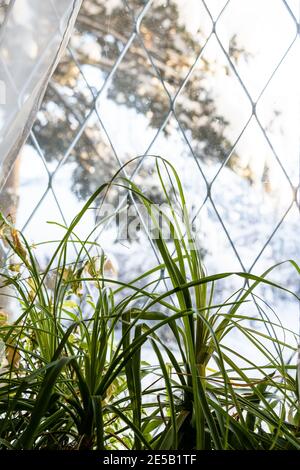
[210,184]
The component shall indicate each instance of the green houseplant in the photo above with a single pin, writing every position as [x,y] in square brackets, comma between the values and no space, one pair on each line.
[75,381]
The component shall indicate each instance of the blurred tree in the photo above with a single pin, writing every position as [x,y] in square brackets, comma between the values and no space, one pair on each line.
[3,9]
[103,29]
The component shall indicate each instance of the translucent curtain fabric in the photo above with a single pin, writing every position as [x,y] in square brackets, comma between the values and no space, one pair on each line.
[33,36]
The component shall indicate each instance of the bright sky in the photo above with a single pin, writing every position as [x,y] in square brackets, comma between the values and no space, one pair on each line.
[264,29]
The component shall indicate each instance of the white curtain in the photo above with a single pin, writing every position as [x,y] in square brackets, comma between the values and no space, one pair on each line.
[32,38]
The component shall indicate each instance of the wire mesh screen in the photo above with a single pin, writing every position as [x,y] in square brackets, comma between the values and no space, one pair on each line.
[213,87]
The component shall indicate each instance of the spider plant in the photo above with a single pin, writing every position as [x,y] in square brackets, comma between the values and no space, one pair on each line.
[74,374]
